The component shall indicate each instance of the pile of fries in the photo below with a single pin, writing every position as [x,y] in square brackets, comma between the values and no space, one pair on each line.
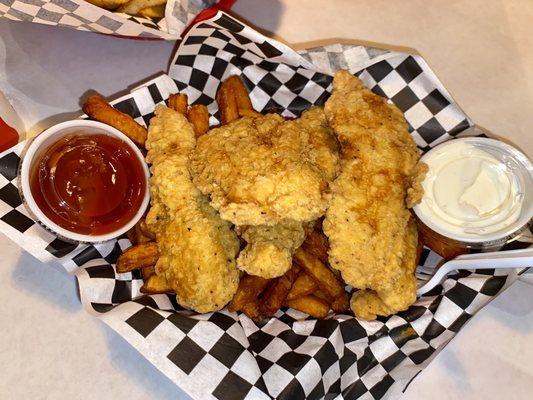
[154,9]
[309,286]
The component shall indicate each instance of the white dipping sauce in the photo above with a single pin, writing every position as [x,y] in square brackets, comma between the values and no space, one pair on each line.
[468,193]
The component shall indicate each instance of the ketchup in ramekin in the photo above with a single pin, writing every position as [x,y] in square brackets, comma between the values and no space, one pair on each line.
[85,181]
[90,184]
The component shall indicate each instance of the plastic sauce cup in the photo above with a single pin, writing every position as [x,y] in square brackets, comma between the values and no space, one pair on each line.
[51,136]
[450,241]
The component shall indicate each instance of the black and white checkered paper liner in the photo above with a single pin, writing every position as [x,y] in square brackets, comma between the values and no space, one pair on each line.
[81,15]
[225,355]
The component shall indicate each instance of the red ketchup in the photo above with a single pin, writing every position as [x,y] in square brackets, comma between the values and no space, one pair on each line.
[88,184]
[8,136]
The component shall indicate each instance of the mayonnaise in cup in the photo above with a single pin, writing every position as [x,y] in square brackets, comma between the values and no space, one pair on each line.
[477,193]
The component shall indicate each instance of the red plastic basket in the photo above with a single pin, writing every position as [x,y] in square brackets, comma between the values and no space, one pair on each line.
[8,136]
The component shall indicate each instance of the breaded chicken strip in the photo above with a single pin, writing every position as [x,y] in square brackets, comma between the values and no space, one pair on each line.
[197,248]
[368,304]
[269,250]
[368,223]
[269,176]
[265,170]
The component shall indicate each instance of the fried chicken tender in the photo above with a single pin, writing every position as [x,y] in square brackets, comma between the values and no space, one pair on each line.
[269,250]
[270,177]
[197,248]
[368,224]
[368,304]
[266,170]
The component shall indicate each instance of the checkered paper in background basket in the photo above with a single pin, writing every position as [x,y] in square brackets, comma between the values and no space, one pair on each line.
[84,16]
[225,355]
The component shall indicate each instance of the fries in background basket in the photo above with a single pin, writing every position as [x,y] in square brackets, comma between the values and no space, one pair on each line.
[133,7]
[108,4]
[154,9]
[154,12]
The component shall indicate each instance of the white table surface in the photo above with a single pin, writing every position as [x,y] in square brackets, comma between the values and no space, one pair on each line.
[482,51]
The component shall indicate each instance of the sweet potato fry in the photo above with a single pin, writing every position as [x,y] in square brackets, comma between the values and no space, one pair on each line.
[277,292]
[137,234]
[341,303]
[132,236]
[246,298]
[144,230]
[338,304]
[324,277]
[147,272]
[311,305]
[250,286]
[156,284]
[227,103]
[239,91]
[251,310]
[179,102]
[322,295]
[303,286]
[316,244]
[198,116]
[100,110]
[138,256]
[249,113]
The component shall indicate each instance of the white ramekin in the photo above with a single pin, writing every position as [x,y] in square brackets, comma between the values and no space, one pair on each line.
[521,168]
[52,135]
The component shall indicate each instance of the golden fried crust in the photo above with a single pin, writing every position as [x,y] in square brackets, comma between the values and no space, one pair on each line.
[416,191]
[367,221]
[268,253]
[197,248]
[324,148]
[399,294]
[264,170]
